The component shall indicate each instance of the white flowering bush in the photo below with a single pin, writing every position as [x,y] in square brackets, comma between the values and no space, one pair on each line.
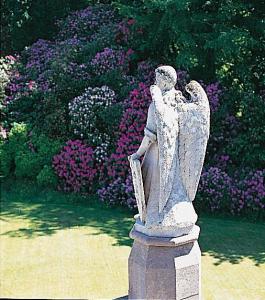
[85,113]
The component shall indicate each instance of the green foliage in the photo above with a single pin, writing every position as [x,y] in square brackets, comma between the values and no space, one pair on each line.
[26,164]
[45,147]
[115,80]
[27,154]
[36,153]
[249,144]
[199,36]
[8,150]
[110,117]
[46,177]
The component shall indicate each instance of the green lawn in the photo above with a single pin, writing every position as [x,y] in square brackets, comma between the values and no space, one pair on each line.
[62,246]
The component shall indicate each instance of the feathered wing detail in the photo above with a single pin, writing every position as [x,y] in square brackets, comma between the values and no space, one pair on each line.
[194,125]
[167,132]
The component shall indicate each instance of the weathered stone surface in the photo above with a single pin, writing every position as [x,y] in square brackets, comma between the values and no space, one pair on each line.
[164,268]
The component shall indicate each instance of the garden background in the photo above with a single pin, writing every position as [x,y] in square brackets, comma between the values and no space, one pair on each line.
[74,94]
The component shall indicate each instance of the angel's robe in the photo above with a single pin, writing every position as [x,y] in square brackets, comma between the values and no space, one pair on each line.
[178,209]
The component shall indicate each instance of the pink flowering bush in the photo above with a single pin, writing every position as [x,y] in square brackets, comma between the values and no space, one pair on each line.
[75,166]
[131,132]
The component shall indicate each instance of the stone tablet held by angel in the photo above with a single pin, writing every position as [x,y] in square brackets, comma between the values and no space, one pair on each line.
[174,146]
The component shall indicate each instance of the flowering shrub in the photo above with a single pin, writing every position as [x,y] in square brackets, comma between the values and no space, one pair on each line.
[74,165]
[104,36]
[124,31]
[39,55]
[214,92]
[118,192]
[241,193]
[83,23]
[110,59]
[131,130]
[214,189]
[224,130]
[131,133]
[146,72]
[114,193]
[49,74]
[6,64]
[84,112]
[249,194]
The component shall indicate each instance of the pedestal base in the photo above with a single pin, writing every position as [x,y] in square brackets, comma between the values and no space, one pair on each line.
[165,268]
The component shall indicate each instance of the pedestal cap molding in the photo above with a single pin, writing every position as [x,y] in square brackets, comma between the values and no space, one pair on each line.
[165,241]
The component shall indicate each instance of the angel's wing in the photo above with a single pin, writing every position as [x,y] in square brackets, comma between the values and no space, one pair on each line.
[194,124]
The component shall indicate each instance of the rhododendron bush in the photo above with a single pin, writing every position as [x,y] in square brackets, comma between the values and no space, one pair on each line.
[88,90]
[85,111]
[75,165]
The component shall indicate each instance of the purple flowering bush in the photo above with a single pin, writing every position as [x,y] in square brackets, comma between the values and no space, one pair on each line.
[239,194]
[49,74]
[213,92]
[214,190]
[248,197]
[84,23]
[75,167]
[109,60]
[114,193]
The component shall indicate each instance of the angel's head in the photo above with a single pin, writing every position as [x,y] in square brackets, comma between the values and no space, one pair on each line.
[166,77]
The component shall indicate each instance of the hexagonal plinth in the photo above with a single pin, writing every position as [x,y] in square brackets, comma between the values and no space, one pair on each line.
[164,268]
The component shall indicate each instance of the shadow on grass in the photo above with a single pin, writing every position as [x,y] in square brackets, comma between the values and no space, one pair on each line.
[232,240]
[50,211]
[47,212]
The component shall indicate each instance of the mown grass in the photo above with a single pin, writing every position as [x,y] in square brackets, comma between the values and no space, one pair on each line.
[56,245]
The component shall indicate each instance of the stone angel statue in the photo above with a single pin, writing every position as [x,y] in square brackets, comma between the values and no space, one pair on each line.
[174,146]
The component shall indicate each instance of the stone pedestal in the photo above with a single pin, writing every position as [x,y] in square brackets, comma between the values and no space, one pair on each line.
[165,268]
